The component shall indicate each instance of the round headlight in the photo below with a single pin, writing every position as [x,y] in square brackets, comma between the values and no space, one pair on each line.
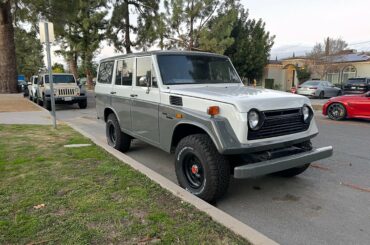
[253,119]
[306,113]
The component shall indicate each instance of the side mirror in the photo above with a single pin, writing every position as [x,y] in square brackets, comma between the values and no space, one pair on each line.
[143,82]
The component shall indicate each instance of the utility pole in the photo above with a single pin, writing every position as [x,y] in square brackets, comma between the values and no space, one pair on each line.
[46,38]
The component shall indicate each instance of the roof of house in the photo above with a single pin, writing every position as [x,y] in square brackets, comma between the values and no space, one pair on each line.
[344,58]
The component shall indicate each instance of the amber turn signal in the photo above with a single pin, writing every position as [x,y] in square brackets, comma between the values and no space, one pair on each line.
[213,110]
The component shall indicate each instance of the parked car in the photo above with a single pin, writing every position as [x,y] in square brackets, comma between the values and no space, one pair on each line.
[32,88]
[348,106]
[320,89]
[357,85]
[194,104]
[21,86]
[66,90]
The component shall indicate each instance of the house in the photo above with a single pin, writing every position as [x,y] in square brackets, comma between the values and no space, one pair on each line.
[282,74]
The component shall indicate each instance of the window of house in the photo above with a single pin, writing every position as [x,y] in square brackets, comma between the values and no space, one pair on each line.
[348,72]
[124,72]
[106,72]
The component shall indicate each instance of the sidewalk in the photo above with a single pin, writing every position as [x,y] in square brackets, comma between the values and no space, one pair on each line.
[15,109]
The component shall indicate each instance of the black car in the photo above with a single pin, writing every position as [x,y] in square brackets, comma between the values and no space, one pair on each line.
[357,85]
[21,86]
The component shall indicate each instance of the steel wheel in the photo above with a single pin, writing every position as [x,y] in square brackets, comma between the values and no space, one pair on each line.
[193,170]
[112,133]
[336,111]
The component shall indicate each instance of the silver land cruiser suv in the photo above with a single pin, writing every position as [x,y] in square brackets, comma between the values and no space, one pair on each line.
[194,105]
[66,90]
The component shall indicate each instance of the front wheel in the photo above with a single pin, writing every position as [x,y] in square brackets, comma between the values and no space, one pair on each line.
[336,111]
[293,171]
[82,104]
[115,137]
[200,169]
[47,104]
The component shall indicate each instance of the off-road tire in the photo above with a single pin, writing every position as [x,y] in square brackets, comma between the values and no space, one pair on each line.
[47,104]
[82,104]
[121,141]
[292,171]
[39,101]
[216,168]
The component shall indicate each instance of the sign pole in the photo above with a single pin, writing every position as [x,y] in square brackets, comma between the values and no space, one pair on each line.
[47,42]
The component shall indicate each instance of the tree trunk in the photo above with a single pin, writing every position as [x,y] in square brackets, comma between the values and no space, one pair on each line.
[72,65]
[8,66]
[191,33]
[127,28]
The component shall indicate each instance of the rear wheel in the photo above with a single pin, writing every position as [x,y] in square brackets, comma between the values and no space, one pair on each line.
[322,95]
[200,169]
[339,93]
[115,137]
[293,171]
[336,111]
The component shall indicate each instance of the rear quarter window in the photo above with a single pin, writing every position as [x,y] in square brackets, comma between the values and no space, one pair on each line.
[105,72]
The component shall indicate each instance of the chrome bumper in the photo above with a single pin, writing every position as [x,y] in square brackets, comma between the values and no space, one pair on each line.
[282,163]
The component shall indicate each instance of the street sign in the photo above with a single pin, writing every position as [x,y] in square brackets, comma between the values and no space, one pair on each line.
[43,32]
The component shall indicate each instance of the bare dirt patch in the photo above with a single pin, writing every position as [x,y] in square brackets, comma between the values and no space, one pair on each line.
[16,103]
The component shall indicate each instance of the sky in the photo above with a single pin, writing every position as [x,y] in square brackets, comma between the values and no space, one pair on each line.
[299,24]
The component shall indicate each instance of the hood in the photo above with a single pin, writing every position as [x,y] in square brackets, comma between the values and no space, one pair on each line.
[244,98]
[347,97]
[62,85]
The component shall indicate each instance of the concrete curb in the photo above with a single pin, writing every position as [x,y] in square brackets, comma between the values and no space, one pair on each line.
[217,215]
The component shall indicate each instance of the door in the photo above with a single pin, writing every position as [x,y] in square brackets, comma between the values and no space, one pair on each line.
[103,87]
[361,106]
[121,91]
[145,101]
[333,91]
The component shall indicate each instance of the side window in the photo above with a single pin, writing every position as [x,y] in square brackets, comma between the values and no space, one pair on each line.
[105,72]
[124,72]
[143,71]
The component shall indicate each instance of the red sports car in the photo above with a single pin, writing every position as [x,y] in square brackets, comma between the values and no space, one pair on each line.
[348,106]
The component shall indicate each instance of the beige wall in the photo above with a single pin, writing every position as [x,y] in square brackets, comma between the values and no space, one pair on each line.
[363,69]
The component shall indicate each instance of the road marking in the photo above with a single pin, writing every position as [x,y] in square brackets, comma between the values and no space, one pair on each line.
[356,187]
[315,165]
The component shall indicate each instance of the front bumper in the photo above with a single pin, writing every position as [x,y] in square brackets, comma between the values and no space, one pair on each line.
[68,99]
[306,92]
[282,163]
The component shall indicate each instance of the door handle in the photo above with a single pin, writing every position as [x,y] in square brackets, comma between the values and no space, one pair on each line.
[133,95]
[113,92]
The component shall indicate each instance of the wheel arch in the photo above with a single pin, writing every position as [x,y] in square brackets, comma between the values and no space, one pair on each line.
[110,110]
[345,105]
[185,129]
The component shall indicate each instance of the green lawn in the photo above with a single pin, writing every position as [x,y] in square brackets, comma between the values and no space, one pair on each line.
[89,196]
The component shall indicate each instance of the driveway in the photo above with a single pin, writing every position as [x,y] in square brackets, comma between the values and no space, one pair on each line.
[328,204]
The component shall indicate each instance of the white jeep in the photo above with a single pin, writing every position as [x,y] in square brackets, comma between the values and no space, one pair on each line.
[32,88]
[194,105]
[66,90]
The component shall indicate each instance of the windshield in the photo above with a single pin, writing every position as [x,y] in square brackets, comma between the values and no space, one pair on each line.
[196,69]
[356,81]
[311,83]
[61,79]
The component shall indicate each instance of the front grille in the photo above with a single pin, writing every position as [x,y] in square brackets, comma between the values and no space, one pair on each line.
[279,123]
[66,91]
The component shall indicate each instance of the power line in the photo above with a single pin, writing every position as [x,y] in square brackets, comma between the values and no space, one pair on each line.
[353,44]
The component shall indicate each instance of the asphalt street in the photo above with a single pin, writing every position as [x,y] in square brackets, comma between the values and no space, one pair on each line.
[327,204]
